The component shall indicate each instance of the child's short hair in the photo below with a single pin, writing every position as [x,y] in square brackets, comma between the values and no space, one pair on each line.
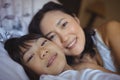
[14,48]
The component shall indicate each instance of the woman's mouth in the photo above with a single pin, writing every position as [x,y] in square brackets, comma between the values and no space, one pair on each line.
[51,60]
[72,44]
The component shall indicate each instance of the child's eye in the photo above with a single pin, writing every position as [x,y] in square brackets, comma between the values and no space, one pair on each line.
[30,57]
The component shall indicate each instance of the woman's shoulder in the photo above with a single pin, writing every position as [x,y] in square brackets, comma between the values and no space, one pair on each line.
[109,26]
[109,30]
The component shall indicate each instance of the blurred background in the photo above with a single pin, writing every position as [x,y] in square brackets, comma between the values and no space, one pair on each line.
[16,14]
[92,13]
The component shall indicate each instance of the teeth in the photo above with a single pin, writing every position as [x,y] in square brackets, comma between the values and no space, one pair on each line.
[71,44]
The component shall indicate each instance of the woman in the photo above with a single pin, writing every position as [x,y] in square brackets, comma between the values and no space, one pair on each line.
[40,56]
[63,28]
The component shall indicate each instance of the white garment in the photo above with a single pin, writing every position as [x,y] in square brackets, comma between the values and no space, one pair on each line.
[87,74]
[104,52]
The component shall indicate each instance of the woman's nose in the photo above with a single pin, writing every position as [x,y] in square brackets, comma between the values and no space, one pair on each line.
[62,36]
[64,39]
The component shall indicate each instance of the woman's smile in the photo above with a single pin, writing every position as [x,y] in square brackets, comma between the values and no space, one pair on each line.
[72,43]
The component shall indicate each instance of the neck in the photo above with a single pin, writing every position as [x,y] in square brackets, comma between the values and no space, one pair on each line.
[95,59]
[87,58]
[98,59]
[67,67]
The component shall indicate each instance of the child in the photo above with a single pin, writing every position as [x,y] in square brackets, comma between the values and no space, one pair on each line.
[40,56]
[37,54]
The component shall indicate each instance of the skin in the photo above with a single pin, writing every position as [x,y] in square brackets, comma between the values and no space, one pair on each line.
[65,31]
[44,57]
[110,33]
[68,34]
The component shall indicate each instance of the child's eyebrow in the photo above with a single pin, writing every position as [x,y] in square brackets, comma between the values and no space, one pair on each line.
[25,51]
[48,34]
[43,42]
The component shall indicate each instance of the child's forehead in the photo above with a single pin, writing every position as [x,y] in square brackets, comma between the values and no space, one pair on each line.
[35,44]
[27,45]
[32,45]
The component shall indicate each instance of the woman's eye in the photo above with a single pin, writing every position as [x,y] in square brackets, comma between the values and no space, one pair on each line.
[30,58]
[64,24]
[51,37]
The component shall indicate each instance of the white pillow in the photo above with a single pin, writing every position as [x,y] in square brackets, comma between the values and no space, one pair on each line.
[9,69]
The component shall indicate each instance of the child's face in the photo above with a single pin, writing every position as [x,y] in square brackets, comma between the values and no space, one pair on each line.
[44,57]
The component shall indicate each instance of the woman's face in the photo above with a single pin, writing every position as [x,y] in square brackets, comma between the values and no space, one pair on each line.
[64,30]
[44,57]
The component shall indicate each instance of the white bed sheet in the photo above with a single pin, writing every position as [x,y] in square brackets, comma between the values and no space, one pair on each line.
[86,74]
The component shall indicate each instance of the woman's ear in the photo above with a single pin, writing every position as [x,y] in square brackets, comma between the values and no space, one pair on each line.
[76,18]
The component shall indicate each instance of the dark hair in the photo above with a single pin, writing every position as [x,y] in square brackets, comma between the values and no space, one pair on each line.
[14,48]
[34,27]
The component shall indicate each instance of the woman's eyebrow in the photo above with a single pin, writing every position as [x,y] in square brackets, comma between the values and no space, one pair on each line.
[43,42]
[59,22]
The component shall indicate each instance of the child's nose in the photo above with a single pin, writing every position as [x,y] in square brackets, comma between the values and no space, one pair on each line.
[43,53]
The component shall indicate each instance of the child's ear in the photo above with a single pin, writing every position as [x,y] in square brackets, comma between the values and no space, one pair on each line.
[76,18]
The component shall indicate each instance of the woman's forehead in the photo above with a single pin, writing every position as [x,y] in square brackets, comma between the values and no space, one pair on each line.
[52,18]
